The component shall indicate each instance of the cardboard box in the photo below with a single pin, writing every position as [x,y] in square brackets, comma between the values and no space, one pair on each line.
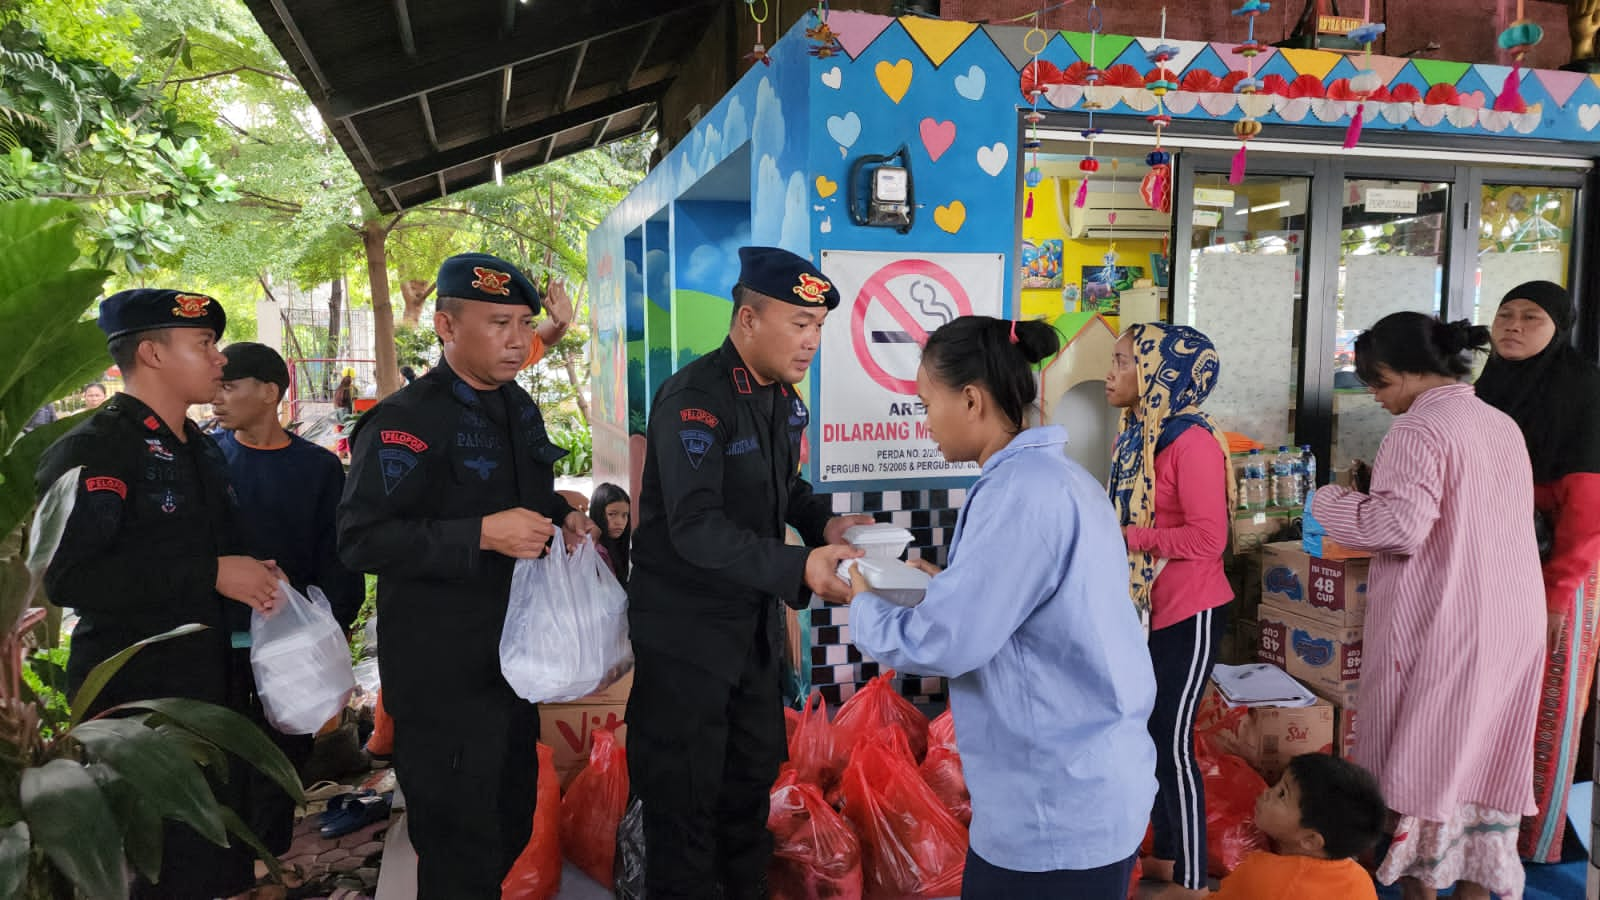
[1325,658]
[617,694]
[1344,731]
[1267,737]
[568,730]
[1252,530]
[1332,591]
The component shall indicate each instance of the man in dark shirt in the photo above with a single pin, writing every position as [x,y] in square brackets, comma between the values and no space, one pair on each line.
[288,490]
[153,544]
[711,575]
[450,484]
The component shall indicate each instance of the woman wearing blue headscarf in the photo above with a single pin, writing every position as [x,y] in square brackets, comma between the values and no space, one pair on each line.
[1172,485]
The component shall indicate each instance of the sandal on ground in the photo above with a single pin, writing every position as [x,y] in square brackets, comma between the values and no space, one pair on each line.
[354,812]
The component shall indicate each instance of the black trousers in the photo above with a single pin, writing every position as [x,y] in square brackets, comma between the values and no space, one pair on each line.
[702,756]
[1183,655]
[469,774]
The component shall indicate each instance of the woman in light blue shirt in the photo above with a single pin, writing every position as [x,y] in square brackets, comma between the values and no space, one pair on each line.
[1050,678]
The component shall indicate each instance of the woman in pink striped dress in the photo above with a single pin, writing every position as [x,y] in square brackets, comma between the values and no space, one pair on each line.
[1454,642]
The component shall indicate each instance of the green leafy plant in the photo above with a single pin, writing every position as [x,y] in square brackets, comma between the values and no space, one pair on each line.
[579,444]
[81,796]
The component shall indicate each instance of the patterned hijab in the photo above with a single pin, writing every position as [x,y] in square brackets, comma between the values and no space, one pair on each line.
[1177,368]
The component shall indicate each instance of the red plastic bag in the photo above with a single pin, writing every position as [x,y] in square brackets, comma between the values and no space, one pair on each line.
[942,731]
[536,875]
[791,721]
[1232,788]
[942,772]
[911,847]
[879,704]
[819,757]
[593,806]
[815,854]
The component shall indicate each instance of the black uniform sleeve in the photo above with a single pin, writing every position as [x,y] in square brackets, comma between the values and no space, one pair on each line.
[809,512]
[345,589]
[689,456]
[382,527]
[100,565]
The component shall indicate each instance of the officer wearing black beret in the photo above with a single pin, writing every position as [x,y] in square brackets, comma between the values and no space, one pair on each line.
[710,579]
[153,543]
[451,482]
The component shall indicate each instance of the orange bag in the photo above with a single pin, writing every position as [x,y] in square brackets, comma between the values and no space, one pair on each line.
[815,854]
[942,731]
[593,806]
[942,772]
[1232,788]
[879,704]
[911,846]
[536,875]
[818,755]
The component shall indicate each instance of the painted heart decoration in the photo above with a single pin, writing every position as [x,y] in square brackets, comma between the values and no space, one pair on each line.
[972,84]
[993,159]
[937,137]
[894,78]
[1589,116]
[950,218]
[833,78]
[845,129]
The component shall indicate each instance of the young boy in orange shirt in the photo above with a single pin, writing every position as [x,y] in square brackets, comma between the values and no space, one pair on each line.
[1322,814]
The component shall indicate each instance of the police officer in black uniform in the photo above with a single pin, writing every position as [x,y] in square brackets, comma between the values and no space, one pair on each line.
[450,484]
[153,543]
[711,576]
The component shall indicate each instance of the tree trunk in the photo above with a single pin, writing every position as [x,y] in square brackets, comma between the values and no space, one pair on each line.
[374,235]
[335,320]
[414,292]
[577,395]
[1583,19]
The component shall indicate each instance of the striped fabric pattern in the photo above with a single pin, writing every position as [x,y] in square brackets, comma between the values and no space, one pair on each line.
[1454,644]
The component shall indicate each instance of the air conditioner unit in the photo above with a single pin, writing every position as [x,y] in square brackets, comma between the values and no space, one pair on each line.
[1134,220]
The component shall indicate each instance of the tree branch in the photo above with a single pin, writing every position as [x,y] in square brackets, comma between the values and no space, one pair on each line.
[233,71]
[496,223]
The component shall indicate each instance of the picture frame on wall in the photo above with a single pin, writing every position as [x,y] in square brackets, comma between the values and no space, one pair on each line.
[1042,263]
[1161,270]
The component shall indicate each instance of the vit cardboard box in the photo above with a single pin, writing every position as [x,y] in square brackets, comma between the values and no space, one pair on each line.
[1267,736]
[1344,722]
[1324,657]
[1252,530]
[1332,591]
[568,729]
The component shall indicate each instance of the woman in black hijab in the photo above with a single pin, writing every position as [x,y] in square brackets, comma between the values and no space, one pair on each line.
[1539,378]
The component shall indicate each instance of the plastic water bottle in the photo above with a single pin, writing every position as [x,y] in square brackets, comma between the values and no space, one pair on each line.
[1308,470]
[1286,479]
[1255,482]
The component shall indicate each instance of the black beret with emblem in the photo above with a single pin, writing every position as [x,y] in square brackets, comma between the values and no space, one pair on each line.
[479,276]
[148,309]
[785,276]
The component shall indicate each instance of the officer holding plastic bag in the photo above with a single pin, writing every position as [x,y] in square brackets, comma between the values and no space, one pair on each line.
[710,579]
[450,483]
[153,543]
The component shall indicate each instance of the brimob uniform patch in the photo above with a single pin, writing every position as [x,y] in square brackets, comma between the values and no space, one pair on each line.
[743,446]
[483,465]
[696,441]
[404,439]
[395,464]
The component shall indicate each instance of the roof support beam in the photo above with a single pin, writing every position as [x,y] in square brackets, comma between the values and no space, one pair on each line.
[508,20]
[471,58]
[427,122]
[300,44]
[402,20]
[505,99]
[572,83]
[600,131]
[517,137]
[644,52]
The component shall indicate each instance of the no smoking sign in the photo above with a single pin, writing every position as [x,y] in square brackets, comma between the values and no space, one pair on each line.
[893,314]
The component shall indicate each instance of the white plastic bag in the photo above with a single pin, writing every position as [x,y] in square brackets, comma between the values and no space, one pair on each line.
[566,628]
[301,662]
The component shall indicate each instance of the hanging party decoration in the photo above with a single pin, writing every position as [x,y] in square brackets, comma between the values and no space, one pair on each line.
[1034,43]
[1517,40]
[758,53]
[1091,102]
[1247,127]
[1155,188]
[824,41]
[1367,80]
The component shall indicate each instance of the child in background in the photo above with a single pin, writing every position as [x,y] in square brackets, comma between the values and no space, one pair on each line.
[611,511]
[1322,814]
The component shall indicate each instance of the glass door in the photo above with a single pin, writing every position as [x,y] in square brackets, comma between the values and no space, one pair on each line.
[1524,234]
[1393,248]
[1246,289]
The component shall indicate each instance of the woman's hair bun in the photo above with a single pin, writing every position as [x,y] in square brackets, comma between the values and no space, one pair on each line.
[1037,341]
[1460,336]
